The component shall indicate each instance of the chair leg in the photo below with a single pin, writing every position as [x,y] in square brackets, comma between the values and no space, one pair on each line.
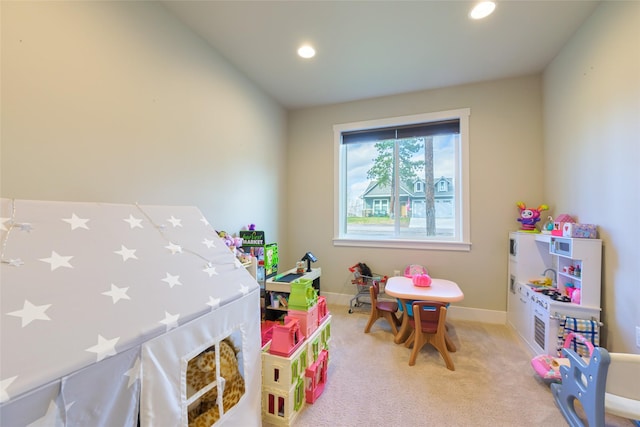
[409,342]
[372,319]
[393,321]
[450,345]
[439,342]
[418,342]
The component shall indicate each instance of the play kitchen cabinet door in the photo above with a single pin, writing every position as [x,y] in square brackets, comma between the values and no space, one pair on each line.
[528,256]
[528,259]
[522,319]
[579,263]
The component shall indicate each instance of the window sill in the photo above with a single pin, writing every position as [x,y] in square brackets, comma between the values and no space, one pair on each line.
[436,245]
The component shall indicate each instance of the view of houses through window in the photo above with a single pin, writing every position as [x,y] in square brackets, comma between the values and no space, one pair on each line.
[400,181]
[374,198]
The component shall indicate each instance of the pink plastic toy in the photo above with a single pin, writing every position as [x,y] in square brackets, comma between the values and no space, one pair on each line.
[422,280]
[575,296]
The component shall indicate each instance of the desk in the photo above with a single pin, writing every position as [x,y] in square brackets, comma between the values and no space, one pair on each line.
[273,288]
[403,289]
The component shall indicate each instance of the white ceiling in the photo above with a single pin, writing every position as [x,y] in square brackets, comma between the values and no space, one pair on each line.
[367,49]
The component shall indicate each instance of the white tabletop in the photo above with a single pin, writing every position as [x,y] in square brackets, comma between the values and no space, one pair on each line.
[440,290]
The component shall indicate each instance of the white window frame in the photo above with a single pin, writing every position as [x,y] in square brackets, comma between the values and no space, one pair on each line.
[463,242]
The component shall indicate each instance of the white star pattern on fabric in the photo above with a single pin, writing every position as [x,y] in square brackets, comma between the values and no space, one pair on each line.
[51,419]
[117,293]
[210,270]
[57,261]
[2,221]
[104,348]
[244,290]
[126,253]
[175,221]
[31,312]
[172,280]
[167,238]
[174,248]
[134,222]
[213,302]
[133,373]
[4,385]
[170,320]
[76,222]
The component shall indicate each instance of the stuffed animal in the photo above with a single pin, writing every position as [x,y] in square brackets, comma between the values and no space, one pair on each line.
[201,371]
[530,216]
[226,238]
[361,273]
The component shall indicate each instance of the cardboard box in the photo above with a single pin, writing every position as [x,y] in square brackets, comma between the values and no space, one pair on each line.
[585,231]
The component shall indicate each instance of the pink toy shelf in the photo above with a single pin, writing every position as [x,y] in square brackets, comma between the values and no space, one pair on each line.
[308,319]
[286,338]
[316,375]
[323,311]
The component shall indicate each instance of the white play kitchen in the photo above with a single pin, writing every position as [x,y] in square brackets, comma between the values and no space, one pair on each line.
[552,279]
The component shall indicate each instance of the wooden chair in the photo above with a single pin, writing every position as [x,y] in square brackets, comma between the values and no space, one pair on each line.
[429,327]
[385,309]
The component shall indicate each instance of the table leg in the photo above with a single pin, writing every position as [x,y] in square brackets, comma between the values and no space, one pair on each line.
[405,329]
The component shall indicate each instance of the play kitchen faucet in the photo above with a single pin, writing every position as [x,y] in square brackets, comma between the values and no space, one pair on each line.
[554,277]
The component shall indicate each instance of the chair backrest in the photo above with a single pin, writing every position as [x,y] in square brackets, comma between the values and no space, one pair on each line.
[374,290]
[431,315]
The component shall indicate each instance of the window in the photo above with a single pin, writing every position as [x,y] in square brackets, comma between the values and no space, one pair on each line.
[403,182]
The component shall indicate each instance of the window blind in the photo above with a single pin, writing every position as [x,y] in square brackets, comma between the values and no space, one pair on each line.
[417,130]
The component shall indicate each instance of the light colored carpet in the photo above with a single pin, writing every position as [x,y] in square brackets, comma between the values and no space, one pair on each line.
[371,383]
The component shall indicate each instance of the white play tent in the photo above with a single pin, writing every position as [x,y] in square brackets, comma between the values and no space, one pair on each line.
[103,305]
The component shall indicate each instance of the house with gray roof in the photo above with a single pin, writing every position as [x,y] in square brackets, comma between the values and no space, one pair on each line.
[377,199]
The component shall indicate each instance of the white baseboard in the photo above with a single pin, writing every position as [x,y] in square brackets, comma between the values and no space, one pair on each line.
[454,312]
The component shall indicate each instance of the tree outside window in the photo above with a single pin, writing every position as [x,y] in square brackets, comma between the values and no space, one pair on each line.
[402,181]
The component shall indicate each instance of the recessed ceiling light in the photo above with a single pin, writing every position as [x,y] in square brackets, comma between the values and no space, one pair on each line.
[482,9]
[306,51]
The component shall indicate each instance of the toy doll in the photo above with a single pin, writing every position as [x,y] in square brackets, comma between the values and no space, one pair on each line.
[529,216]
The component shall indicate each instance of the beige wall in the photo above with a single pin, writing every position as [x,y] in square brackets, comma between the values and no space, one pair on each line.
[506,166]
[592,152]
[119,102]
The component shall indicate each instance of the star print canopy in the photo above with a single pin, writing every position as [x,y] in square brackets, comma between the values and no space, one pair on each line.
[82,282]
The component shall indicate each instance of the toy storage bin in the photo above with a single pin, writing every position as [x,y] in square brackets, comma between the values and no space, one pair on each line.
[302,295]
[281,409]
[286,338]
[585,231]
[323,311]
[316,377]
[282,373]
[308,319]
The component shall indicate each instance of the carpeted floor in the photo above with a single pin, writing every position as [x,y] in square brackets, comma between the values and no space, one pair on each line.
[371,383]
